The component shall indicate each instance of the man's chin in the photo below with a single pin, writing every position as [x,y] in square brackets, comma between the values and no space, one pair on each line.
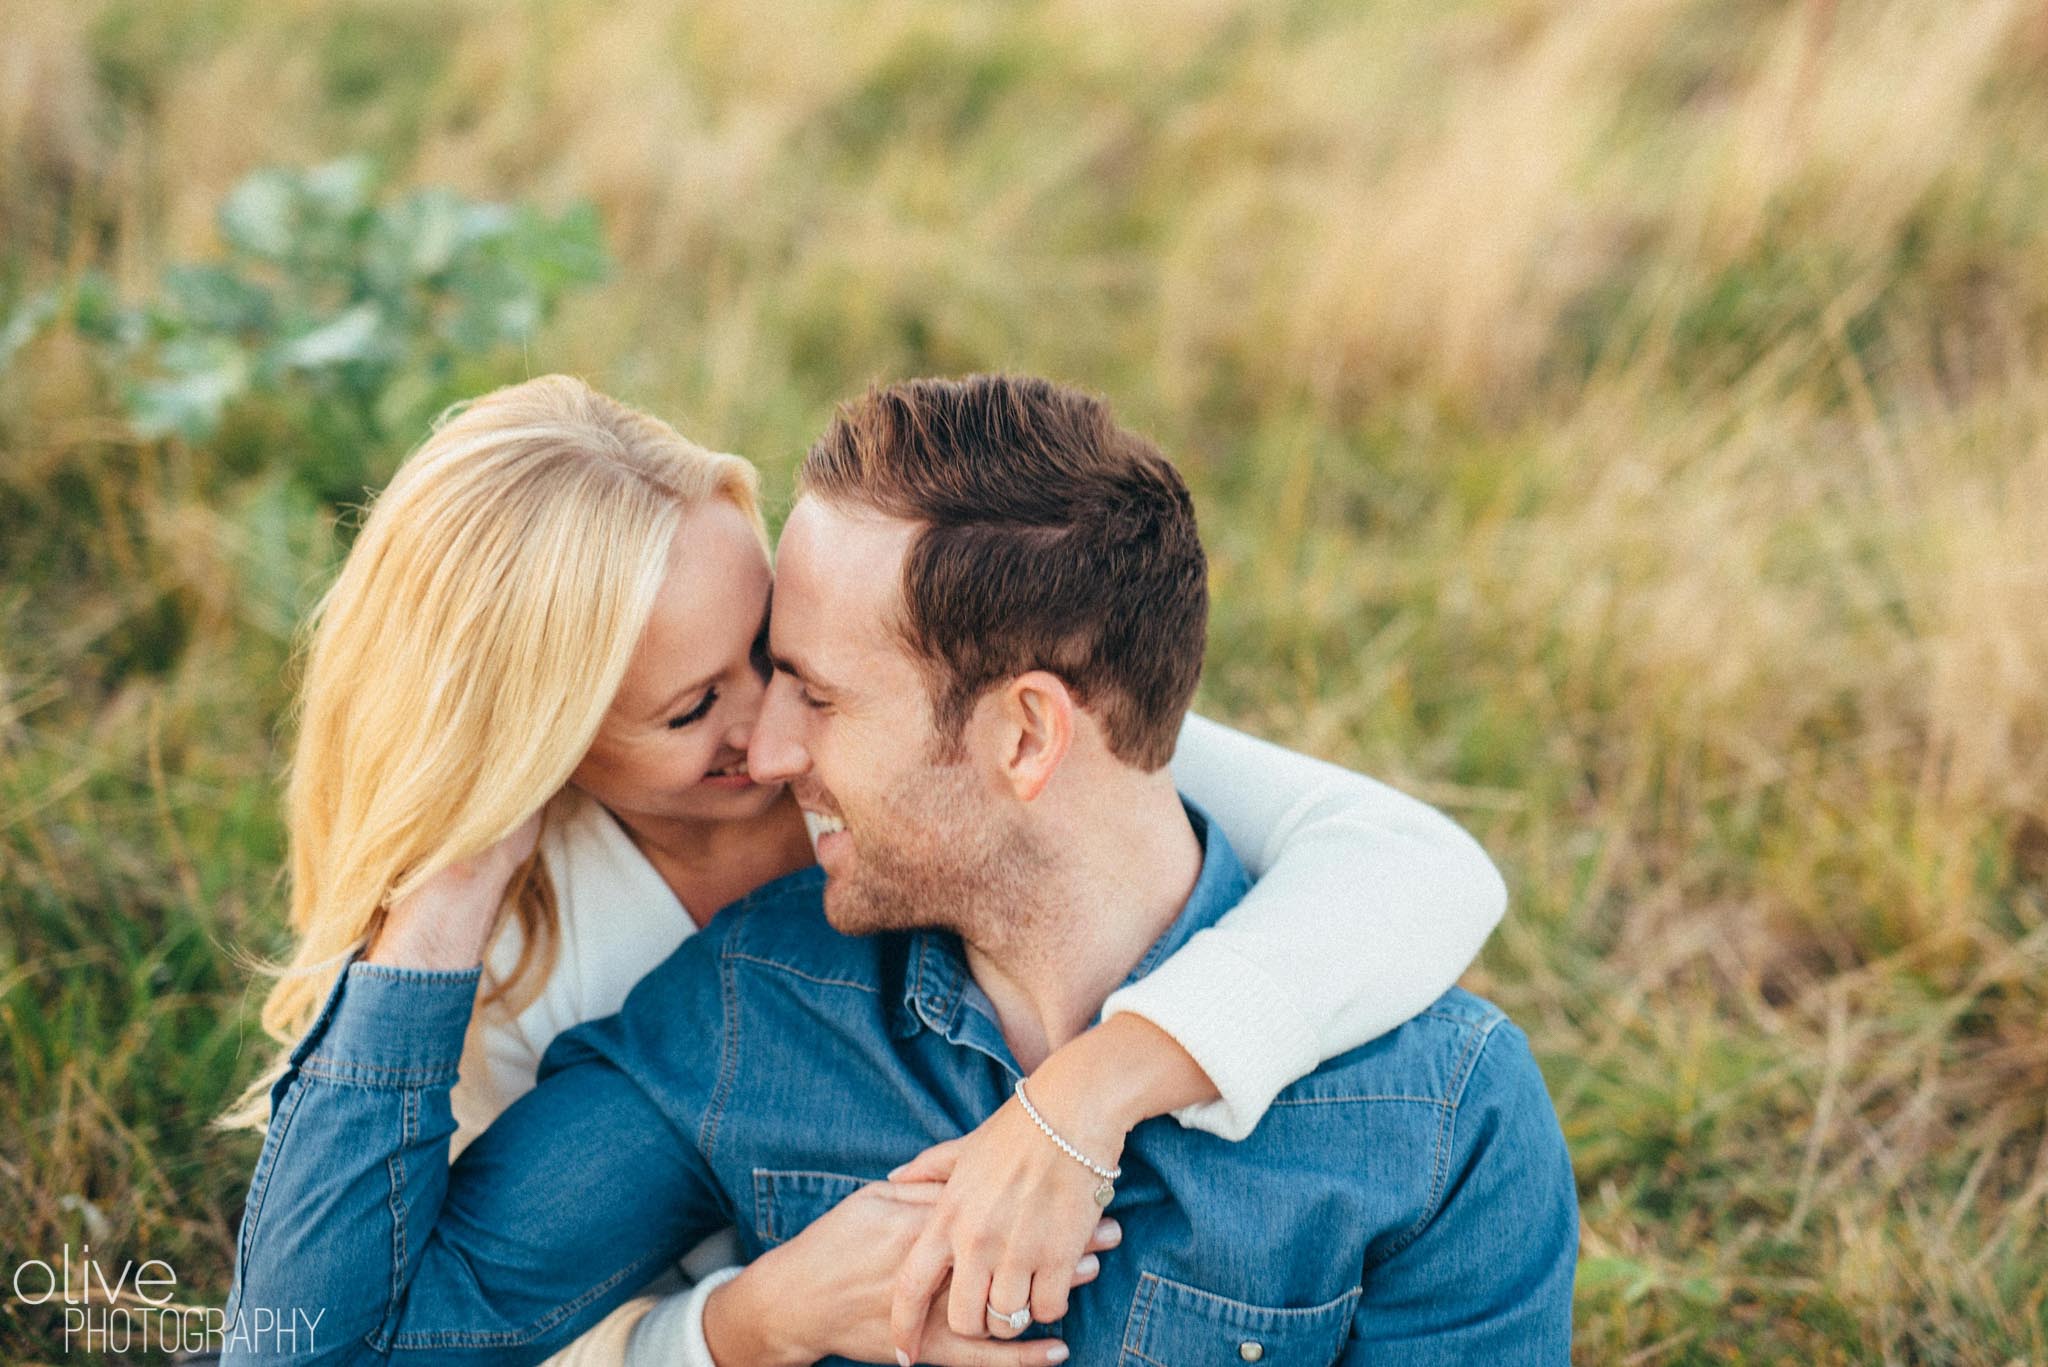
[842,912]
[850,913]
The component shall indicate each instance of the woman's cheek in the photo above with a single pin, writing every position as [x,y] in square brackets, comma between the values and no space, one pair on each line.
[692,757]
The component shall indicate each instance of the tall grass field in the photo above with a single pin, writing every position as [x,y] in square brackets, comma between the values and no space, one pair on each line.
[1622,423]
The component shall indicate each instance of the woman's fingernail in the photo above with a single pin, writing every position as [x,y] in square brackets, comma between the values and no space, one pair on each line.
[896,1174]
[902,1358]
[1056,1353]
[1110,1232]
[1088,1266]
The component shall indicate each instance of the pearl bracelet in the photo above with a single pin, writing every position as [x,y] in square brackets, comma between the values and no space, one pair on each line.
[1105,1191]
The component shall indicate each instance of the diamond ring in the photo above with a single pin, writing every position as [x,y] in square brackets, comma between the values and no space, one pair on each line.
[1016,1319]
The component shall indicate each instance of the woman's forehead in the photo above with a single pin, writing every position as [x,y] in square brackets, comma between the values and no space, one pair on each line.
[713,596]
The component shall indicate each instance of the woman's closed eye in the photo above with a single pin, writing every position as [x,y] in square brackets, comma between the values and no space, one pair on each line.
[695,714]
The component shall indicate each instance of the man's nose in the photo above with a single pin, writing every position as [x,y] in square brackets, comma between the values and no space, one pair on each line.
[776,753]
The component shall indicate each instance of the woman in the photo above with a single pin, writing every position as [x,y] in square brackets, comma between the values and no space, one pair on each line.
[557,604]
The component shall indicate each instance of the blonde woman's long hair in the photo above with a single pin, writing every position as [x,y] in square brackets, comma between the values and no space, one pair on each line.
[458,669]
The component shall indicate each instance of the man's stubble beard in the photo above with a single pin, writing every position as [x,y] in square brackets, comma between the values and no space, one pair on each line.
[952,862]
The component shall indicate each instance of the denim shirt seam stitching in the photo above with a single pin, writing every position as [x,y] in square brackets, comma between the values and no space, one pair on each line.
[376,1076]
[1487,1020]
[357,1065]
[1252,1312]
[1351,1099]
[514,1338]
[1134,1334]
[916,982]
[1152,959]
[764,1206]
[281,1127]
[408,1131]
[794,972]
[399,973]
[1446,1134]
[1471,1060]
[728,1048]
[310,1041]
[948,993]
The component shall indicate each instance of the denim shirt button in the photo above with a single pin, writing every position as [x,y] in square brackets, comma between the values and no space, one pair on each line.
[1251,1350]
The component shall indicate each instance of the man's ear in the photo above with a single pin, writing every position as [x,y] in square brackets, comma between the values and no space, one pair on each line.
[1037,729]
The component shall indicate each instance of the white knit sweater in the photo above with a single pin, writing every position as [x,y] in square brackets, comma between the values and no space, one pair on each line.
[1368,904]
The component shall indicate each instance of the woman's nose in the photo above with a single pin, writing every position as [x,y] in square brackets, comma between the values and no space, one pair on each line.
[745,713]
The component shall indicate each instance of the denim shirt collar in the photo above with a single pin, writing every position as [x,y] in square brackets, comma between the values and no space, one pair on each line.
[940,994]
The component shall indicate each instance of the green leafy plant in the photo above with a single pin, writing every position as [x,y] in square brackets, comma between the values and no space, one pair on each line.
[345,320]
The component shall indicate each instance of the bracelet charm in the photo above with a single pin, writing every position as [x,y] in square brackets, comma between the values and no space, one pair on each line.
[1105,1190]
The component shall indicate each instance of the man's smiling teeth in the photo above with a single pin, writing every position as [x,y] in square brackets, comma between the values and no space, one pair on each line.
[822,825]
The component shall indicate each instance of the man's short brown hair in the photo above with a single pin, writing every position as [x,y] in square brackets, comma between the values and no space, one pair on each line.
[1052,539]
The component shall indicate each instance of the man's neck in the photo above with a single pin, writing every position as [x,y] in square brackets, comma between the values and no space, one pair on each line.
[1121,872]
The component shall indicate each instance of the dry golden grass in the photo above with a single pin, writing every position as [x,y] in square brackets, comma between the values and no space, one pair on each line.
[1622,421]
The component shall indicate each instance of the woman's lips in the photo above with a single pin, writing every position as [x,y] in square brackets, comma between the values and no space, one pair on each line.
[728,779]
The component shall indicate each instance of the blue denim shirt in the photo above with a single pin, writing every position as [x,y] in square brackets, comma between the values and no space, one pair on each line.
[1410,1201]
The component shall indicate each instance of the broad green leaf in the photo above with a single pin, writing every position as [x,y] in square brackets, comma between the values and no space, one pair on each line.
[428,227]
[216,299]
[347,312]
[204,374]
[259,215]
[28,318]
[487,222]
[340,188]
[99,316]
[519,317]
[353,336]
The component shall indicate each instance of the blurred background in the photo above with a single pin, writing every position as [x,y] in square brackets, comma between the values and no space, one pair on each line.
[1622,423]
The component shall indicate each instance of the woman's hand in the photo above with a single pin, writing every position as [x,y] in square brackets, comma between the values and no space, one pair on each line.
[1014,1216]
[827,1291]
[1016,1210]
[444,922]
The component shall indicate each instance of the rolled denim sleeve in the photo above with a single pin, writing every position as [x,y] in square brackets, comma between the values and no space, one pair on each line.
[1489,1277]
[360,1240]
[392,1028]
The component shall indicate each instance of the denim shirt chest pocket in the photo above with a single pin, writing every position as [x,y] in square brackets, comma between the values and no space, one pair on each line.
[1176,1325]
[785,1202]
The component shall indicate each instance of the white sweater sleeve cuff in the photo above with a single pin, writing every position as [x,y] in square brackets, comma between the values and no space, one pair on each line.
[673,1331]
[1236,1020]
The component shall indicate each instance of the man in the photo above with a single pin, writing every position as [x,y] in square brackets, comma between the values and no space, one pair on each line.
[988,623]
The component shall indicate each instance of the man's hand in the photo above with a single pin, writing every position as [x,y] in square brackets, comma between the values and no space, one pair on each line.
[827,1292]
